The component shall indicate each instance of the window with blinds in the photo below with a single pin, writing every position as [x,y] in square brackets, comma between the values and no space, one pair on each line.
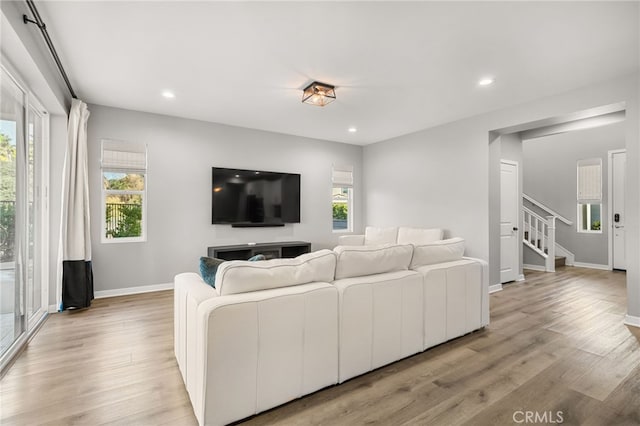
[342,198]
[124,191]
[589,195]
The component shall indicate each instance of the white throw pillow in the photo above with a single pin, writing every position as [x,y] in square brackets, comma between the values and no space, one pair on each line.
[376,236]
[357,261]
[419,236]
[437,252]
[241,276]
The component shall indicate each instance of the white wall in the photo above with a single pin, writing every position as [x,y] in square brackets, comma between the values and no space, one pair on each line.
[440,176]
[550,177]
[181,153]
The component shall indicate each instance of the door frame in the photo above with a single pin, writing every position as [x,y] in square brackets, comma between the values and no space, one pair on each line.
[41,183]
[610,202]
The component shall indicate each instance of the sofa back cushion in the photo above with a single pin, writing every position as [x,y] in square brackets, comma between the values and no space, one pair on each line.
[377,236]
[351,240]
[240,276]
[437,252]
[419,236]
[356,261]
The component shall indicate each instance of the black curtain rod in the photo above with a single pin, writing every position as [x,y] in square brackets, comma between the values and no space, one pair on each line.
[47,39]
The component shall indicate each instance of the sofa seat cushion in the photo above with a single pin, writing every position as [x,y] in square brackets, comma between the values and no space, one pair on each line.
[437,252]
[418,236]
[240,276]
[355,261]
[376,236]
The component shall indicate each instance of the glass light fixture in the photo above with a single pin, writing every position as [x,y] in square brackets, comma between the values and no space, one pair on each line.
[319,94]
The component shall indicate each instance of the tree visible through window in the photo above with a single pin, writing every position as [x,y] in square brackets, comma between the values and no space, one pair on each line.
[342,198]
[341,201]
[124,191]
[123,205]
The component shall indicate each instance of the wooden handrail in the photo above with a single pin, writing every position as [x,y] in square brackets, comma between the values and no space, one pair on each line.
[547,209]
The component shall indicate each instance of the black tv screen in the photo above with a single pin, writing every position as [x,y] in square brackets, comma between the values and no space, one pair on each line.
[254,197]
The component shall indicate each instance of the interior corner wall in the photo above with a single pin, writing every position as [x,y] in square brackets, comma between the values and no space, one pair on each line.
[550,178]
[181,153]
[441,176]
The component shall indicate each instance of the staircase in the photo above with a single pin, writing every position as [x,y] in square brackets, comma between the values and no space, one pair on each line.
[540,233]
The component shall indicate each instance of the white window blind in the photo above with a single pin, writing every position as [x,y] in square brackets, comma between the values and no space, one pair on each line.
[124,156]
[590,180]
[342,176]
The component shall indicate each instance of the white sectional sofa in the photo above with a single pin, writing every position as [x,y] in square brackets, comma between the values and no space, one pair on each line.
[276,330]
[267,334]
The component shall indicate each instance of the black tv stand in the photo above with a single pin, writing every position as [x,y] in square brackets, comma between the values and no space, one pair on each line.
[284,249]
[255,225]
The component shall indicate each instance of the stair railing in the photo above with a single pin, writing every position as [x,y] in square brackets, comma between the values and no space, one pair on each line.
[540,235]
[547,209]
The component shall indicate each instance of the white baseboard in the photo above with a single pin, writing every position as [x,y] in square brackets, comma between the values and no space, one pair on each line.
[494,288]
[132,290]
[520,277]
[632,321]
[591,266]
[123,292]
[534,267]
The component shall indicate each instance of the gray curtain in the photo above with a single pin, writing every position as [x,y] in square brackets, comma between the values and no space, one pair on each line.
[75,276]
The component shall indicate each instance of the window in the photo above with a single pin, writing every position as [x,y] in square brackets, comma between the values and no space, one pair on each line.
[124,191]
[342,198]
[589,195]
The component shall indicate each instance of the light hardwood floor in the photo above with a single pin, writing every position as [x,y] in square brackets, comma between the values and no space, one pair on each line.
[556,343]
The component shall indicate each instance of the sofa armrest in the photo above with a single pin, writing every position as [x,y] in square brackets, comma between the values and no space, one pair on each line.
[188,290]
[351,240]
[485,288]
[260,349]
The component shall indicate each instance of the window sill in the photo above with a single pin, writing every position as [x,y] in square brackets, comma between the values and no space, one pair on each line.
[123,240]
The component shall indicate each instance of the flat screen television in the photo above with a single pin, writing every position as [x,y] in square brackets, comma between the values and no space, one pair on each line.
[254,197]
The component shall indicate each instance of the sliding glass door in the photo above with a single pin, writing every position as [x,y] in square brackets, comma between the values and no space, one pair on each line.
[23,128]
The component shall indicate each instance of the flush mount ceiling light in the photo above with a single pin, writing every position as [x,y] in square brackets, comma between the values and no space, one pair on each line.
[319,94]
[169,95]
[352,129]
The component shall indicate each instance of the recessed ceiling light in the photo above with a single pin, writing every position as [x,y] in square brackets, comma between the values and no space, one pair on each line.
[169,95]
[486,81]
[352,129]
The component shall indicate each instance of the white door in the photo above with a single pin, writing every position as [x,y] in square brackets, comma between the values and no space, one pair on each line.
[509,254]
[618,164]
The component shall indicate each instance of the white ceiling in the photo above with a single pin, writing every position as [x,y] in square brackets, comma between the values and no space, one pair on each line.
[398,67]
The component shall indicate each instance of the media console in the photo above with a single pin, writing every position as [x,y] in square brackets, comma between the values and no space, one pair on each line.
[269,250]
